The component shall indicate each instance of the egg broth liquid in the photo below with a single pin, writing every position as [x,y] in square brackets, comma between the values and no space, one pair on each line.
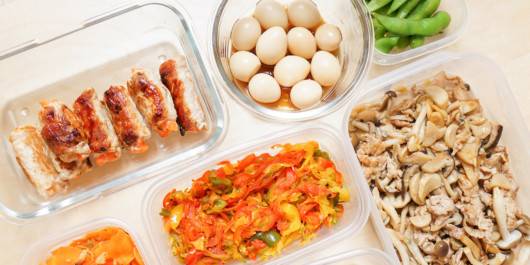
[284,103]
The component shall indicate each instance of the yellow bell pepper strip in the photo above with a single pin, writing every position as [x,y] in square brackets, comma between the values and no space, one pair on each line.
[255,207]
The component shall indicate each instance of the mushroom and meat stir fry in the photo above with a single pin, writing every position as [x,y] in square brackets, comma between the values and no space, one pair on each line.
[440,179]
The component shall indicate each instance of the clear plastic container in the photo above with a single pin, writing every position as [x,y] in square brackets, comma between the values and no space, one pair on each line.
[355,54]
[487,83]
[459,18]
[41,250]
[357,257]
[99,52]
[356,211]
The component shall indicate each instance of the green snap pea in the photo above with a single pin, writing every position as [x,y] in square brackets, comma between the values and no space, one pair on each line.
[424,9]
[386,44]
[403,42]
[416,41]
[377,4]
[422,27]
[395,5]
[405,9]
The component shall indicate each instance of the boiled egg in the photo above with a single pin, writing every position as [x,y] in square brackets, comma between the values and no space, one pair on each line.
[301,42]
[328,37]
[245,34]
[264,88]
[291,69]
[270,13]
[244,65]
[306,93]
[303,13]
[325,68]
[272,45]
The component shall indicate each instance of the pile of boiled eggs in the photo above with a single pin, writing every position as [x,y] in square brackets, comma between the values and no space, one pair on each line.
[288,44]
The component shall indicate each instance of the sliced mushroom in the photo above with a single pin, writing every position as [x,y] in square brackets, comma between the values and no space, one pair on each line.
[360,125]
[509,239]
[391,211]
[471,246]
[437,119]
[432,134]
[471,173]
[428,183]
[469,151]
[500,180]
[438,95]
[471,258]
[367,115]
[421,221]
[402,250]
[412,143]
[387,100]
[450,135]
[468,106]
[439,162]
[481,131]
[399,201]
[456,219]
[414,187]
[416,158]
[495,136]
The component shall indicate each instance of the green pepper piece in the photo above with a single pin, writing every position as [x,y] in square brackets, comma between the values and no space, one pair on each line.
[395,5]
[336,200]
[217,181]
[377,4]
[416,41]
[386,44]
[405,9]
[424,9]
[319,153]
[218,205]
[422,27]
[270,237]
[165,212]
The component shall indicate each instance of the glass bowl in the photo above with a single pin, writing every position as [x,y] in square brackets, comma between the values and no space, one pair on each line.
[355,54]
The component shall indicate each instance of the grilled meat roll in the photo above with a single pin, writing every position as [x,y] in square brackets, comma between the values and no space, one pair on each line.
[176,76]
[127,120]
[63,131]
[154,102]
[102,138]
[32,155]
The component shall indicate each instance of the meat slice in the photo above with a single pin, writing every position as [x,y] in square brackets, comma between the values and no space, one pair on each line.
[102,138]
[154,102]
[32,155]
[63,131]
[177,77]
[127,120]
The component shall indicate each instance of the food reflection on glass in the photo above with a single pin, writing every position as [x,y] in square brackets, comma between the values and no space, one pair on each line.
[58,150]
[291,44]
[253,208]
[439,175]
[110,245]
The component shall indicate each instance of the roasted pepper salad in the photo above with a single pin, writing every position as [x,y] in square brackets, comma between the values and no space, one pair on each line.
[255,207]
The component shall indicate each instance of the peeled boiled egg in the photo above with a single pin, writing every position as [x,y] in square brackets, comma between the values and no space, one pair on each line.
[306,93]
[244,65]
[291,69]
[328,37]
[303,13]
[272,45]
[301,42]
[264,88]
[270,13]
[325,68]
[245,34]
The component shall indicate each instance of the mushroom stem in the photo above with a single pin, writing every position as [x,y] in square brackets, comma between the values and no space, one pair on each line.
[470,257]
[508,239]
[399,246]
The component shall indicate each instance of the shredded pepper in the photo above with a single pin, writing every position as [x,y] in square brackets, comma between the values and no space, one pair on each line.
[255,207]
[110,245]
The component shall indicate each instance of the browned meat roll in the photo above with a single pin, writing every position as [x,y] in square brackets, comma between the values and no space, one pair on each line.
[177,77]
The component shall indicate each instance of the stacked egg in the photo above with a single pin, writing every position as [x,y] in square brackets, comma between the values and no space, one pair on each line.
[283,38]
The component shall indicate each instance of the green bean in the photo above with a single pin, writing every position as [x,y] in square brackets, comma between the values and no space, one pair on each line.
[423,27]
[395,5]
[405,9]
[376,4]
[416,41]
[403,42]
[386,44]
[424,9]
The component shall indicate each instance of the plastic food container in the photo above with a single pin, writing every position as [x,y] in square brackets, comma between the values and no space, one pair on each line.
[99,52]
[357,256]
[355,54]
[356,211]
[487,83]
[41,250]
[459,18]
